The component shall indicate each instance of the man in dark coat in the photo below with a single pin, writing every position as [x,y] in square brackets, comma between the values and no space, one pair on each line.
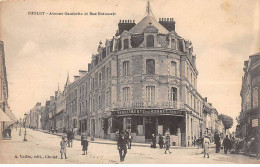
[160,141]
[226,144]
[122,145]
[217,142]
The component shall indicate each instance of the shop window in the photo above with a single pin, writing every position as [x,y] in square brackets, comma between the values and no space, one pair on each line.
[139,125]
[139,120]
[150,94]
[126,43]
[126,94]
[125,68]
[173,68]
[150,41]
[150,66]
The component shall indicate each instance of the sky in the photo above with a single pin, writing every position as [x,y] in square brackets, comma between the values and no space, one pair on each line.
[41,50]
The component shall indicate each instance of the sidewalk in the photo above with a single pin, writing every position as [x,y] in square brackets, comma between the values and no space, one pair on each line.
[106,141]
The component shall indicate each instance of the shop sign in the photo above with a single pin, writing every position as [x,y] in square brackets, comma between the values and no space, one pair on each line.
[148,112]
[255,123]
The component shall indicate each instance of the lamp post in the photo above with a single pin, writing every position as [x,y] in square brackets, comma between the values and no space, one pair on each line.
[20,132]
[25,118]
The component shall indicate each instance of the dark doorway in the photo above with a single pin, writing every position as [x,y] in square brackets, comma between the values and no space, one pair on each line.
[150,127]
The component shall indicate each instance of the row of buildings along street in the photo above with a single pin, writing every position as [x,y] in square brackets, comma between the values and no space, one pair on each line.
[143,79]
[7,118]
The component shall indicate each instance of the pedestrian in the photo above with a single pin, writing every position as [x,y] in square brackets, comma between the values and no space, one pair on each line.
[206,143]
[63,145]
[217,142]
[226,143]
[194,142]
[84,143]
[160,141]
[153,144]
[167,143]
[68,137]
[122,146]
[129,139]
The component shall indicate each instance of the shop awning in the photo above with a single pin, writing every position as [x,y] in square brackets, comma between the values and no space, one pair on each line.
[3,116]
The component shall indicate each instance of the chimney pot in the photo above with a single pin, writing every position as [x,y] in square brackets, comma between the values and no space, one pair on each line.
[134,21]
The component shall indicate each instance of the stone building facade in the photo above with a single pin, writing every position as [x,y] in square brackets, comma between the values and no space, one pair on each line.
[145,79]
[250,95]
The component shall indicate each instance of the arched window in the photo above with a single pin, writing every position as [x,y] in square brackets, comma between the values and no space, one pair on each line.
[173,43]
[126,46]
[150,41]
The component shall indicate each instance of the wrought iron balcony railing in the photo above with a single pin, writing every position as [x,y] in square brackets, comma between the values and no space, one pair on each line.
[145,104]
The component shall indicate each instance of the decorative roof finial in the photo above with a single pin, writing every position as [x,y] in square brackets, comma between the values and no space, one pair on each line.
[148,9]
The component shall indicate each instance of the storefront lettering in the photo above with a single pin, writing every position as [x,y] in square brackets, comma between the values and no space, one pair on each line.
[148,111]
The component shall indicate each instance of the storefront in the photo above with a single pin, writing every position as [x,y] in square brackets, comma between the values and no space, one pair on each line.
[145,122]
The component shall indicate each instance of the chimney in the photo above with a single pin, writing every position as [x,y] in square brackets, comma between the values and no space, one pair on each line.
[76,77]
[82,73]
[167,23]
[206,99]
[125,25]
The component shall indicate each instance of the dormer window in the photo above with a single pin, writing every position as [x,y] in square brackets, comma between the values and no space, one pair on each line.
[173,43]
[126,43]
[150,41]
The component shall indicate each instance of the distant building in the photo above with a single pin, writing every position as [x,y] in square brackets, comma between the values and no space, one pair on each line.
[35,116]
[250,95]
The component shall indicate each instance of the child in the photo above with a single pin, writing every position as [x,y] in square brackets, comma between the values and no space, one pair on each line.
[63,145]
[84,143]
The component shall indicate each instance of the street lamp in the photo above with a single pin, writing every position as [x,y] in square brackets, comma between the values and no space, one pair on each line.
[25,117]
[20,133]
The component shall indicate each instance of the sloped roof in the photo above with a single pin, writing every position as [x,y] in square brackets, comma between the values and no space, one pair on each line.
[139,27]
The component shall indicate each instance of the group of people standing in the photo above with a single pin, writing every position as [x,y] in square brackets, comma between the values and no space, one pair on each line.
[163,143]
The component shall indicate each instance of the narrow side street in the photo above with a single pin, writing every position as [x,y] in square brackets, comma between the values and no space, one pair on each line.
[44,148]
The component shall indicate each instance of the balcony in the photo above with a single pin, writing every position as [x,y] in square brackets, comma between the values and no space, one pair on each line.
[145,104]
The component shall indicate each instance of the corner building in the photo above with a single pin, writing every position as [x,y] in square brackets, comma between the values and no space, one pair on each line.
[145,79]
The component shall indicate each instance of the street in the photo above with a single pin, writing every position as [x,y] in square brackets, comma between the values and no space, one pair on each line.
[44,148]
